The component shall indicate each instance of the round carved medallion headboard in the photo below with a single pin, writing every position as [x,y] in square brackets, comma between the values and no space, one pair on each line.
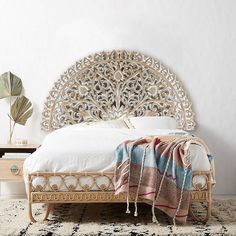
[108,85]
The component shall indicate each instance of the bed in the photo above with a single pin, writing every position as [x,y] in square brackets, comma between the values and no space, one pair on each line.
[75,163]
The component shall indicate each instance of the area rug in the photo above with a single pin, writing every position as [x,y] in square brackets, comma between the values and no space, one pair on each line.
[109,219]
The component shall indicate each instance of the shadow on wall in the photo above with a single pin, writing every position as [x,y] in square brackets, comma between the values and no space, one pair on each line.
[225,161]
[37,133]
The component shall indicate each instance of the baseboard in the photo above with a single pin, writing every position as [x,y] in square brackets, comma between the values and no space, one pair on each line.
[224,196]
[15,196]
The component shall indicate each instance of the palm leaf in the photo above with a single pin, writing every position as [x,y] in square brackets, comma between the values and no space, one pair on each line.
[21,110]
[10,85]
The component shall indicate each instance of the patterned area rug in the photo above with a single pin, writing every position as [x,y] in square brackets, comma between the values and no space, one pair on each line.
[109,219]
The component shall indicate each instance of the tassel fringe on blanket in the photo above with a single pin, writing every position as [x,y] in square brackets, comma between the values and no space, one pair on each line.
[159,171]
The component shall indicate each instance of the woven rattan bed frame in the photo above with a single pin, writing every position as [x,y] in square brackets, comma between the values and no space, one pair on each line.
[106,86]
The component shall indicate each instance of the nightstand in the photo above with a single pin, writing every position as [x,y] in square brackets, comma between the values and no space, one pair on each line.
[11,169]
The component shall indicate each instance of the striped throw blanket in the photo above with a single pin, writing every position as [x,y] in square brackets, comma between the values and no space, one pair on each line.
[158,170]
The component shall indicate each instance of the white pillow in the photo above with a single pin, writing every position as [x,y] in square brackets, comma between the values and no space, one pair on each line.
[151,122]
[118,124]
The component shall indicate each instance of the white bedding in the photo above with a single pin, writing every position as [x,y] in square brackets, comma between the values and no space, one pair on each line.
[76,148]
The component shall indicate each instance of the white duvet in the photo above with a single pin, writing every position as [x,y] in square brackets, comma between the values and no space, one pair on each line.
[76,148]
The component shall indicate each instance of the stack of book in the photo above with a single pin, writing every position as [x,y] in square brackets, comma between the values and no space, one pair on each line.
[16,155]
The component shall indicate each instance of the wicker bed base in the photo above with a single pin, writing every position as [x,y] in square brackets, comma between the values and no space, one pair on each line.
[199,194]
[131,84]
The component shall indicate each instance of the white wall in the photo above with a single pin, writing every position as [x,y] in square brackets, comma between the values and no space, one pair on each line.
[195,38]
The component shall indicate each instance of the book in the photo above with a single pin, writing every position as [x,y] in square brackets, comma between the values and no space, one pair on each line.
[16,155]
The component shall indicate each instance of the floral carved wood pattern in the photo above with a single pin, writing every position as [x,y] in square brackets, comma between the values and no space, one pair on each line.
[108,85]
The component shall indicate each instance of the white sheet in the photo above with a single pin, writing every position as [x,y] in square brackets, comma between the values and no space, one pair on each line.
[76,148]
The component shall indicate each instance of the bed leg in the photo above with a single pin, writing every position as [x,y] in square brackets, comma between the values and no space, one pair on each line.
[49,208]
[198,216]
[201,204]
[30,212]
[29,199]
[209,210]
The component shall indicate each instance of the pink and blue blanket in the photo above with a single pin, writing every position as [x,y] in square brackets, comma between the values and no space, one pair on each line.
[158,172]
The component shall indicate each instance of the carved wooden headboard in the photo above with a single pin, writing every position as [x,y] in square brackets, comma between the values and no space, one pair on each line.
[108,85]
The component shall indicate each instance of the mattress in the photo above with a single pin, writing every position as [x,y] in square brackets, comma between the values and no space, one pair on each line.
[92,149]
